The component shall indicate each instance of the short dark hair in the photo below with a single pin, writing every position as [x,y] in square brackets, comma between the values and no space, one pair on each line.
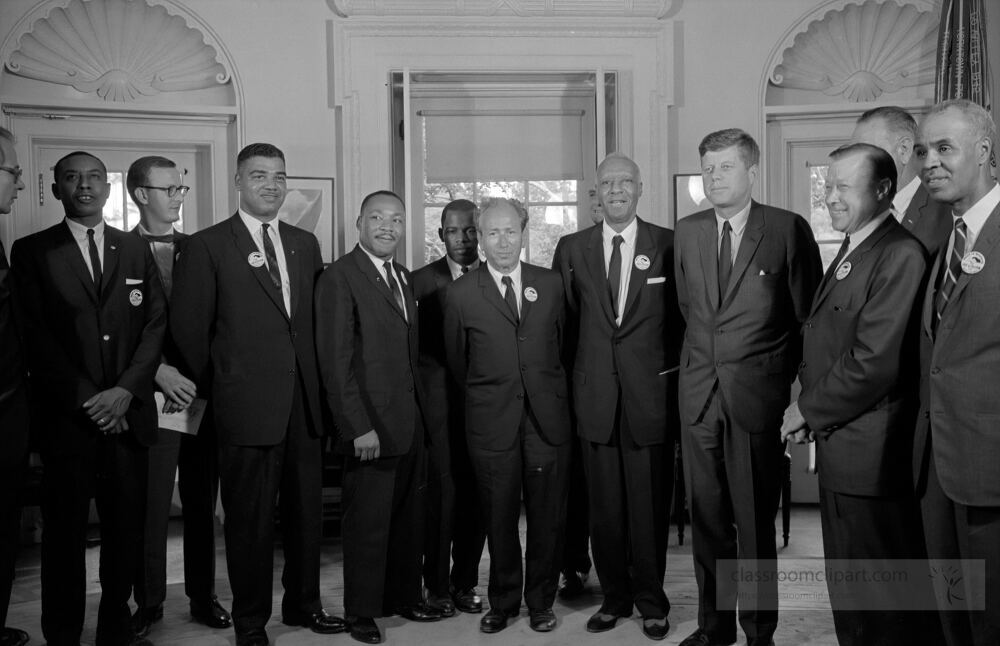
[259,150]
[490,202]
[76,153]
[881,162]
[721,139]
[897,119]
[461,206]
[9,136]
[372,196]
[138,172]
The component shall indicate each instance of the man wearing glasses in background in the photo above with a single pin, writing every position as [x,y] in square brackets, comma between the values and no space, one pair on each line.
[155,186]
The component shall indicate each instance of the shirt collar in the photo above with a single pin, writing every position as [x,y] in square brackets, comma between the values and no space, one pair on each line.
[456,269]
[253,224]
[738,222]
[378,262]
[901,201]
[515,274]
[868,228]
[80,232]
[976,216]
[628,233]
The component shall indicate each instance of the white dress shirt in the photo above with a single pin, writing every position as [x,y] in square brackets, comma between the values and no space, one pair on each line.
[515,279]
[380,266]
[80,235]
[456,269]
[903,197]
[869,227]
[257,232]
[974,220]
[738,223]
[628,254]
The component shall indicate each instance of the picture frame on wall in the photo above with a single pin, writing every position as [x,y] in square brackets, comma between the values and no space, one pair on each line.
[309,205]
[689,195]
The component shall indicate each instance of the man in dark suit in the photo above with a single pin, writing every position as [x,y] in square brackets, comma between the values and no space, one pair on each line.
[895,131]
[94,319]
[13,403]
[155,186]
[454,528]
[503,336]
[367,344]
[746,274]
[958,439]
[242,320]
[620,289]
[858,398]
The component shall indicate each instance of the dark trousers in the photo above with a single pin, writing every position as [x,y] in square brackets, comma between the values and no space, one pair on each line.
[252,480]
[112,469]
[383,530]
[576,547]
[956,531]
[193,459]
[733,484]
[629,488]
[455,534]
[539,471]
[13,456]
[866,533]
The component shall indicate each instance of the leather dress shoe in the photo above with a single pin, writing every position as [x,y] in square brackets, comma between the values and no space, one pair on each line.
[604,620]
[320,622]
[253,637]
[701,638]
[442,604]
[573,585]
[467,600]
[419,612]
[364,630]
[13,637]
[496,620]
[143,620]
[542,621]
[210,612]
[655,629]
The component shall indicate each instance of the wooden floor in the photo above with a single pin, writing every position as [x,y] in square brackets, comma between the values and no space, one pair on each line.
[805,614]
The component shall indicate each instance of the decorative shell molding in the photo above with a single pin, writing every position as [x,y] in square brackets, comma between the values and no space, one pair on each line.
[119,49]
[527,8]
[861,51]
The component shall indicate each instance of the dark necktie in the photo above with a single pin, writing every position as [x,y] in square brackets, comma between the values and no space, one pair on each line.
[270,256]
[832,269]
[615,271]
[465,269]
[95,260]
[393,286]
[725,259]
[163,254]
[952,270]
[510,296]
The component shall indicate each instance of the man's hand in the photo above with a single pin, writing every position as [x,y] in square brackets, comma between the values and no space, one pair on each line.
[366,447]
[179,391]
[107,409]
[794,425]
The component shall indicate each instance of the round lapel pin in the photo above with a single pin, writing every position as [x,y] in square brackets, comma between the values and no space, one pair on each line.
[642,262]
[843,270]
[973,263]
[530,294]
[135,297]
[256,259]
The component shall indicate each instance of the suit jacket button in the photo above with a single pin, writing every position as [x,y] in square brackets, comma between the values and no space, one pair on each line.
[520,395]
[522,338]
[106,337]
[719,332]
[409,389]
[935,371]
[292,371]
[718,364]
[927,414]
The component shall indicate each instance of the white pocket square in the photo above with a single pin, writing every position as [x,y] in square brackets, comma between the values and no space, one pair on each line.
[133,281]
[654,281]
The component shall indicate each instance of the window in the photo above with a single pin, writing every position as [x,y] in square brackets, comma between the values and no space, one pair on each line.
[828,238]
[120,211]
[551,204]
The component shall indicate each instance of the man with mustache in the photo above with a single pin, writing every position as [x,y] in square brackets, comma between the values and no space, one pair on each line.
[94,319]
[367,325]
[242,318]
[454,528]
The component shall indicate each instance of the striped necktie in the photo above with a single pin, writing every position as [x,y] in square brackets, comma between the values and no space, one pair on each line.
[952,270]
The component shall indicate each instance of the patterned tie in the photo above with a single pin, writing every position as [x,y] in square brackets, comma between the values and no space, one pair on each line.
[270,256]
[615,271]
[95,260]
[725,259]
[952,271]
[393,285]
[510,296]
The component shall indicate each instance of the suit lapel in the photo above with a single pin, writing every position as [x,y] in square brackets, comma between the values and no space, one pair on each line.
[373,275]
[709,260]
[528,277]
[931,293]
[643,247]
[71,255]
[246,246]
[491,293]
[407,291]
[292,264]
[598,273]
[112,250]
[857,258]
[987,240]
[752,235]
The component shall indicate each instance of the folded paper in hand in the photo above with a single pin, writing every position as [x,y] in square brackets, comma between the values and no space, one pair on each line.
[186,421]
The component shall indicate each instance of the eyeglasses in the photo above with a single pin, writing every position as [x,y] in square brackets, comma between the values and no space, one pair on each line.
[16,172]
[171,190]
